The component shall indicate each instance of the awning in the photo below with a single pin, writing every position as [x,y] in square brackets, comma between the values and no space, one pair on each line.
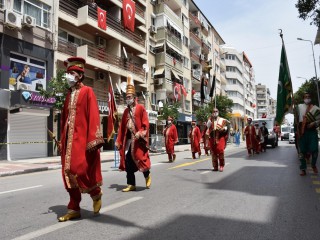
[176,75]
[170,45]
[159,71]
[158,45]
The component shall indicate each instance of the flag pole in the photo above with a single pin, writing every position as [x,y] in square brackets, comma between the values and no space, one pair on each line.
[115,103]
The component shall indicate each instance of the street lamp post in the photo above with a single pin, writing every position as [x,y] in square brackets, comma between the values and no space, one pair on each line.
[315,68]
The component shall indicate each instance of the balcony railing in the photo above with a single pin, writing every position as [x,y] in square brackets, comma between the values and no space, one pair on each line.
[70,7]
[194,19]
[196,38]
[67,47]
[114,60]
[194,56]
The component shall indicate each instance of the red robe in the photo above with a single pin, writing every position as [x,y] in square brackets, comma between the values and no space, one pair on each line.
[171,137]
[195,138]
[250,134]
[218,135]
[139,152]
[80,133]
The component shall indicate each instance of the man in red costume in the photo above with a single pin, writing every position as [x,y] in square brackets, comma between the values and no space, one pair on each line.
[205,139]
[81,140]
[195,138]
[250,134]
[170,137]
[132,140]
[258,137]
[218,136]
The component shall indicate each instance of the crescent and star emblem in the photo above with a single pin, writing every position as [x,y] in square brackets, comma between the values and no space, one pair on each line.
[128,6]
[102,17]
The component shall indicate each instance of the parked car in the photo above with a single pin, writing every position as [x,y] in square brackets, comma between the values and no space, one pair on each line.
[272,137]
[285,130]
[292,136]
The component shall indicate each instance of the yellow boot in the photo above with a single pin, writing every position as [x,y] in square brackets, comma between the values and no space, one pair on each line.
[97,203]
[71,214]
[148,181]
[129,188]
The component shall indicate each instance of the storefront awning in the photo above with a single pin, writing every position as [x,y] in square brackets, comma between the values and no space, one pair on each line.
[159,71]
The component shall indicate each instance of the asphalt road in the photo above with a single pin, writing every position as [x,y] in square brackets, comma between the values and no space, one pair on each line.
[261,197]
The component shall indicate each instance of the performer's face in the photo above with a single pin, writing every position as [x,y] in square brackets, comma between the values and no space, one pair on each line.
[307,99]
[129,99]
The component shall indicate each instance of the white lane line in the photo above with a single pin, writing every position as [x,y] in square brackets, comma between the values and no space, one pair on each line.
[155,164]
[20,189]
[58,226]
[211,171]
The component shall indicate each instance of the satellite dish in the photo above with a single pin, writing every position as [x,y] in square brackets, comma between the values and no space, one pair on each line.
[145,67]
[123,86]
[118,88]
[125,53]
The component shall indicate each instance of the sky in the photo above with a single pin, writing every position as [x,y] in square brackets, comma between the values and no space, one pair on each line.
[253,26]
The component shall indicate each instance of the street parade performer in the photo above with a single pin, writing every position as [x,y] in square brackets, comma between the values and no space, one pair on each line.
[307,134]
[81,140]
[195,139]
[170,139]
[218,136]
[133,138]
[250,134]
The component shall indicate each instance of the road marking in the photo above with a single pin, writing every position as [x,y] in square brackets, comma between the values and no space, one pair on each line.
[58,226]
[155,164]
[211,170]
[21,189]
[189,163]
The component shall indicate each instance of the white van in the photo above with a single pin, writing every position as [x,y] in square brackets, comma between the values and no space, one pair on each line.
[285,131]
[272,137]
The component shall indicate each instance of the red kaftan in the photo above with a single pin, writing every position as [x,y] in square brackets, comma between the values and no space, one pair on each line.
[140,124]
[80,132]
[171,137]
[195,138]
[250,134]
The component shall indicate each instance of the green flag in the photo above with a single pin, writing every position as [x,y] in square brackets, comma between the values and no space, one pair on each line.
[284,96]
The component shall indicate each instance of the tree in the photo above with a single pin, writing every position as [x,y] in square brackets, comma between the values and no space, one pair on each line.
[224,105]
[57,88]
[307,86]
[170,110]
[309,9]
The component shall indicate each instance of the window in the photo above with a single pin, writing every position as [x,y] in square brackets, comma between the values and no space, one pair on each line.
[185,62]
[187,105]
[185,41]
[36,9]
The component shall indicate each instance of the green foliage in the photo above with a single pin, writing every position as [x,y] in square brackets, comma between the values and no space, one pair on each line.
[307,86]
[309,9]
[224,105]
[170,110]
[57,88]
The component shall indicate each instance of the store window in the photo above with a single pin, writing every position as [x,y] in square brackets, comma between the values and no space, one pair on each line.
[26,73]
[36,9]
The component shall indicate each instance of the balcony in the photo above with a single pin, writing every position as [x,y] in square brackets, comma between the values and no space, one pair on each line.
[163,8]
[196,74]
[67,47]
[163,58]
[194,19]
[205,48]
[195,56]
[139,10]
[87,21]
[195,38]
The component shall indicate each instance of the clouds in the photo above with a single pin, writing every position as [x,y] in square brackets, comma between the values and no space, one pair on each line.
[252,26]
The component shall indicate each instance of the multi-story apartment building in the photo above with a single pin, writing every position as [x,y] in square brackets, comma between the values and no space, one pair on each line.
[263,100]
[272,107]
[27,49]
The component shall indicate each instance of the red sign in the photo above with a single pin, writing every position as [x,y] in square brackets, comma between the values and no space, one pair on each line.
[129,14]
[102,18]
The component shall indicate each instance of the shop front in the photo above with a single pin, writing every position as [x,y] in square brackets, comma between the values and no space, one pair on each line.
[183,127]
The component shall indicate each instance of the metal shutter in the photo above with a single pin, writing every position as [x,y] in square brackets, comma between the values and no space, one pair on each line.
[27,128]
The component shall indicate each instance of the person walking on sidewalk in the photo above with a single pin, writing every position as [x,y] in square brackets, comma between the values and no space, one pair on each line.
[132,140]
[81,140]
[195,138]
[307,135]
[250,134]
[170,138]
[218,136]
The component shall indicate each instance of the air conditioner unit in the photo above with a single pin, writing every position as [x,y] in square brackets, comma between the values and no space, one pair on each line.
[12,19]
[201,57]
[101,76]
[29,21]
[153,29]
[101,42]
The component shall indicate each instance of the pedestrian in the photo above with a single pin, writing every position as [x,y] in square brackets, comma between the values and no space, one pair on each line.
[237,138]
[81,140]
[232,133]
[195,138]
[132,140]
[218,136]
[258,138]
[249,132]
[205,139]
[265,133]
[170,138]
[307,135]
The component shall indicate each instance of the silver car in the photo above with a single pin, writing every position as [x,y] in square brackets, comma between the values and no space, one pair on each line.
[292,137]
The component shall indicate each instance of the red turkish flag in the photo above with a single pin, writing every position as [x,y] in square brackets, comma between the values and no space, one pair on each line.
[102,18]
[112,114]
[129,14]
[183,89]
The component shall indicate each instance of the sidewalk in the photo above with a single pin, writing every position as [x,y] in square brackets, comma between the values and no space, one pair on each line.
[9,168]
